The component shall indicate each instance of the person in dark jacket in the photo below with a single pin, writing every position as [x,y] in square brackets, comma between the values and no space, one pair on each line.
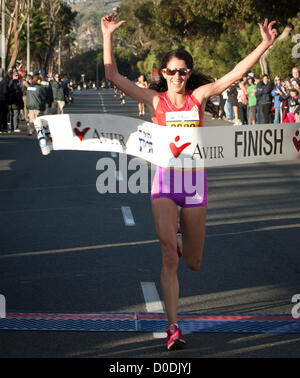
[46,92]
[35,101]
[3,102]
[264,89]
[58,90]
[232,98]
[15,99]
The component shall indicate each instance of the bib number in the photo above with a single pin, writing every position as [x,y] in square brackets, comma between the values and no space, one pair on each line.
[183,119]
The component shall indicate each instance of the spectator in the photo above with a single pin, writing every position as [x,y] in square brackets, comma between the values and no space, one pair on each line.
[251,111]
[296,73]
[232,99]
[3,102]
[276,93]
[296,84]
[257,83]
[293,103]
[215,109]
[287,84]
[285,88]
[242,97]
[297,114]
[58,91]
[46,91]
[24,85]
[34,101]
[227,106]
[68,89]
[245,79]
[15,99]
[221,112]
[264,89]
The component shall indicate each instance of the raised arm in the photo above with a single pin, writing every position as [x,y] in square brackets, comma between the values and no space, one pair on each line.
[268,34]
[109,26]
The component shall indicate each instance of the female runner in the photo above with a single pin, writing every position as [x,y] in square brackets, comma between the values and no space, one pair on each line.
[142,83]
[181,95]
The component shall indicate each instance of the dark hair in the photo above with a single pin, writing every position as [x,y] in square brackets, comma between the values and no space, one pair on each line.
[36,78]
[194,81]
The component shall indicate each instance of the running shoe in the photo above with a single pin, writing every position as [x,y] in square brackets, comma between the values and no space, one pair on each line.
[174,339]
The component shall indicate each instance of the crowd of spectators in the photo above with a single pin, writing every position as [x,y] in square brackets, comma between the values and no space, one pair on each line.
[26,96]
[255,100]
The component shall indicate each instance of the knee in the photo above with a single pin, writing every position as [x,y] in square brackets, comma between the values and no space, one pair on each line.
[169,256]
[194,263]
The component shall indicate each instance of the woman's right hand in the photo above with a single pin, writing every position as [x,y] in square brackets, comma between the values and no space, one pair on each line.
[109,25]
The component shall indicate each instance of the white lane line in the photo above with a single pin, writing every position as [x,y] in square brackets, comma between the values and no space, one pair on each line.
[79,249]
[102,103]
[47,187]
[127,216]
[153,303]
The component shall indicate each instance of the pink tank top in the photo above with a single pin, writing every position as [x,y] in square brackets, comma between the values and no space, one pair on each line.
[189,115]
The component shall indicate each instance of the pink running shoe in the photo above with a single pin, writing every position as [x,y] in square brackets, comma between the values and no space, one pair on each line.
[174,339]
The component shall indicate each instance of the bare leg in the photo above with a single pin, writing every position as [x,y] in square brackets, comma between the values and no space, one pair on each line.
[192,224]
[165,219]
[236,113]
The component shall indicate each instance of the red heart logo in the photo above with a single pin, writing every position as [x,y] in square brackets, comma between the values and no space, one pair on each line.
[296,141]
[176,151]
[82,133]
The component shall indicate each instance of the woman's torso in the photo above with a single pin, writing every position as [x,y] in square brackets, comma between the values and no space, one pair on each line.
[188,115]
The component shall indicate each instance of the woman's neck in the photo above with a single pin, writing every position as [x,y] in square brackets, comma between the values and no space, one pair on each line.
[177,99]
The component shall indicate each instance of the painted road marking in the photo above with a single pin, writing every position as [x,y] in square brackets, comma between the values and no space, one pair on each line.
[102,103]
[153,303]
[127,216]
[79,249]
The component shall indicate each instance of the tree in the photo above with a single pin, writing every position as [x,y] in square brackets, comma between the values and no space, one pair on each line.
[282,59]
[218,33]
[16,11]
[38,38]
[50,21]
[84,62]
[60,19]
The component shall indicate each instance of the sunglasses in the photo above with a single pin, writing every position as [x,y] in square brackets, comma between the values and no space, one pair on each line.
[181,71]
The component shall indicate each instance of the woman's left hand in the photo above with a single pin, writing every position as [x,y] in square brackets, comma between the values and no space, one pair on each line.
[267,32]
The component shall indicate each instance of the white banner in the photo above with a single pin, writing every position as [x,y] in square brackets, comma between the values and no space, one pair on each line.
[170,146]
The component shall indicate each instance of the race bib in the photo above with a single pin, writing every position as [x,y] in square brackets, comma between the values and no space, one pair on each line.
[187,118]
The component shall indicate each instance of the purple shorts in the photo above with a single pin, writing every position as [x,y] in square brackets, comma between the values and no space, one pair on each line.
[185,188]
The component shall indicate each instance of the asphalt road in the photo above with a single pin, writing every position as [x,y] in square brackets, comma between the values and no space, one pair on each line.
[64,247]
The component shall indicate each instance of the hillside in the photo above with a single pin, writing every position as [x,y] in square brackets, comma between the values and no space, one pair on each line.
[87,21]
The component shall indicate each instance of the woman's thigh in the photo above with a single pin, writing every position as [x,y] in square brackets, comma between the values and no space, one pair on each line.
[164,212]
